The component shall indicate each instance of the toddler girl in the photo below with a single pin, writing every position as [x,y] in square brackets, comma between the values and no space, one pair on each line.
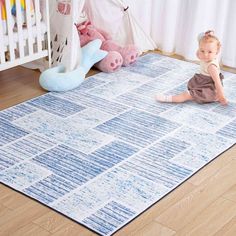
[206,86]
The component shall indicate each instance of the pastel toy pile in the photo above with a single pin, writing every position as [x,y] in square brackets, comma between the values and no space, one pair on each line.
[117,55]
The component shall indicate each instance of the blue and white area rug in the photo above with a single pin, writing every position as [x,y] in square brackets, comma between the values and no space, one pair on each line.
[105,152]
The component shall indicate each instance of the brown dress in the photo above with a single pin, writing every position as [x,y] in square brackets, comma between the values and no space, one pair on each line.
[202,88]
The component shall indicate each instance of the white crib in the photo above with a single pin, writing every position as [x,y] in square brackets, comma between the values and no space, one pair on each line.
[24,32]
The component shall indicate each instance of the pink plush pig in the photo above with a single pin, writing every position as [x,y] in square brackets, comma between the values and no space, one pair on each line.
[117,56]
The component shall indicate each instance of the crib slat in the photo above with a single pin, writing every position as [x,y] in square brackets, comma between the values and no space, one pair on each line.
[48,33]
[38,26]
[10,30]
[19,28]
[29,27]
[2,52]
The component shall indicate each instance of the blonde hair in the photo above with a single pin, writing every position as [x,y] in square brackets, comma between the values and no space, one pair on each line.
[208,37]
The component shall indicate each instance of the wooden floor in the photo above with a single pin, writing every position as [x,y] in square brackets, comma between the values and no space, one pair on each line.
[204,205]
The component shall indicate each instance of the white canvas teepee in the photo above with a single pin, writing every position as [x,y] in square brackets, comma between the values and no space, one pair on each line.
[116,17]
[113,16]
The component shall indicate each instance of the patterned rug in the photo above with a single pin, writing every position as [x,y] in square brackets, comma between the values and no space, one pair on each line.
[105,152]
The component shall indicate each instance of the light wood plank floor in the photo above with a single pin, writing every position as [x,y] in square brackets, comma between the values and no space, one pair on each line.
[204,205]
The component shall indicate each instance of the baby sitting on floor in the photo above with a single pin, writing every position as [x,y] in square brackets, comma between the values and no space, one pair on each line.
[206,86]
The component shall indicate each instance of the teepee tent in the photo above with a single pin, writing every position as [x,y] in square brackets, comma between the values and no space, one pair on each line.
[113,16]
[116,17]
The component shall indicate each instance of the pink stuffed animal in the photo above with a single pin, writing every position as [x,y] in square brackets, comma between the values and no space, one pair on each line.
[117,56]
